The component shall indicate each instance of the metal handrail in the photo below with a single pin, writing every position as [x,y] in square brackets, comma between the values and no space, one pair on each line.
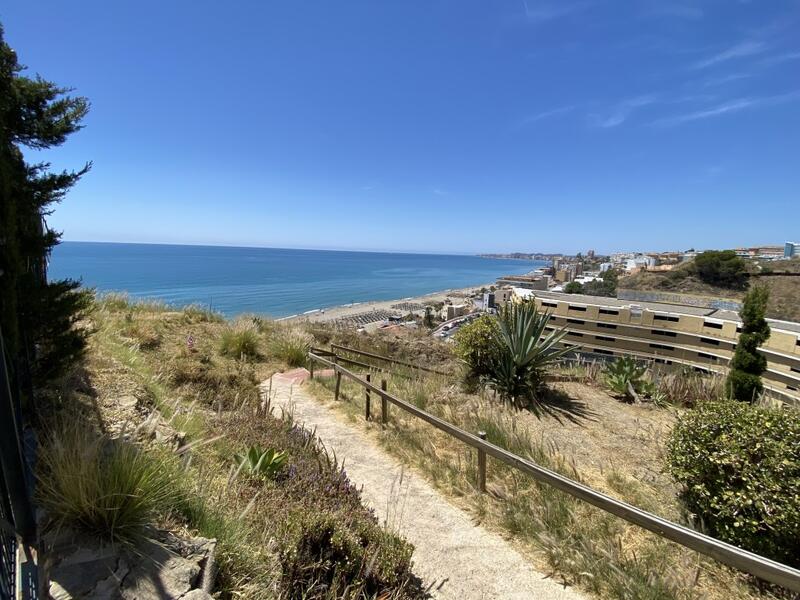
[387,359]
[728,554]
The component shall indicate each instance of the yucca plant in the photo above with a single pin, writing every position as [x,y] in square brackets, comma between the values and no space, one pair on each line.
[626,371]
[258,462]
[517,370]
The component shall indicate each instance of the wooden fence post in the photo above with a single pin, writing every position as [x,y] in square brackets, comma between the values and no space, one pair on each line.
[384,404]
[482,465]
[367,399]
[311,368]
[338,384]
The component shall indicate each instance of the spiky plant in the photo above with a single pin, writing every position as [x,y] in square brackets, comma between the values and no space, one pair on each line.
[517,370]
[258,462]
[623,372]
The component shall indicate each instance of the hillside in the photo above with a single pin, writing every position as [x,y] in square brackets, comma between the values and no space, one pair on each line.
[781,277]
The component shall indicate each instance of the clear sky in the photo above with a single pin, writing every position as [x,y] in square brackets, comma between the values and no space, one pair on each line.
[455,126]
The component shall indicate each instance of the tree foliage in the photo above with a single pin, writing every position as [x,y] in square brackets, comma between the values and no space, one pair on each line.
[721,268]
[607,286]
[748,364]
[740,470]
[475,344]
[37,317]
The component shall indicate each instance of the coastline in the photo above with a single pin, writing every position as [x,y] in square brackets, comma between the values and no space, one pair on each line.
[406,305]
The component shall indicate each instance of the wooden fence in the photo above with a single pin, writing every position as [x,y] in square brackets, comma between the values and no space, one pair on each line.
[728,554]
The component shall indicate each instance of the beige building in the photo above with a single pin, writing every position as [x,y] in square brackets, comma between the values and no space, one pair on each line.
[530,282]
[451,311]
[702,338]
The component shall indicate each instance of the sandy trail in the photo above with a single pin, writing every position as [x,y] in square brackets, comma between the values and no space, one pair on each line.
[461,560]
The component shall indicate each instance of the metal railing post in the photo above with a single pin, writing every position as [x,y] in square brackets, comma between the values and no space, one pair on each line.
[384,404]
[482,465]
[367,399]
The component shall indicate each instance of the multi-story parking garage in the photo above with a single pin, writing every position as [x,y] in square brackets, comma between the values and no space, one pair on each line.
[703,338]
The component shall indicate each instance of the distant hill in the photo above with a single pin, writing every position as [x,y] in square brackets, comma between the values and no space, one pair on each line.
[781,277]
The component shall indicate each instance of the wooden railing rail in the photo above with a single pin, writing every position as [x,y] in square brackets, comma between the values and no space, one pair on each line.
[728,554]
[387,359]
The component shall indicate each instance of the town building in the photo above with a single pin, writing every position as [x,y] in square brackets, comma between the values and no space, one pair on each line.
[530,282]
[791,249]
[496,299]
[451,311]
[669,334]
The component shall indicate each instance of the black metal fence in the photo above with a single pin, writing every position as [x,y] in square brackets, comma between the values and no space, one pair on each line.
[18,533]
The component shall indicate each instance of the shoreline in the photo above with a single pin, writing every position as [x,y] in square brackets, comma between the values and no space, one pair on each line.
[361,309]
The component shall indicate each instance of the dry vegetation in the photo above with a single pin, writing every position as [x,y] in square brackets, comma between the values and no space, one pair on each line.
[584,433]
[143,381]
[179,412]
[782,277]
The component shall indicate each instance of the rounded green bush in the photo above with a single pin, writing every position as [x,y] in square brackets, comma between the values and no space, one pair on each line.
[740,469]
[475,344]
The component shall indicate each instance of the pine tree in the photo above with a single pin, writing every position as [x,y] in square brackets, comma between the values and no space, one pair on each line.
[37,317]
[747,366]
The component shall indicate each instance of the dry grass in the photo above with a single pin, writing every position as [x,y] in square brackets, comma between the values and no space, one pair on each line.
[784,289]
[586,435]
[290,344]
[209,404]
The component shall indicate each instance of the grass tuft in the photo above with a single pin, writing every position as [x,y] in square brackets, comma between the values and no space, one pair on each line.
[108,488]
[240,341]
[290,344]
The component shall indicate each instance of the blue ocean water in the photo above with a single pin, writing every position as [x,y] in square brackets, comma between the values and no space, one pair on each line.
[270,281]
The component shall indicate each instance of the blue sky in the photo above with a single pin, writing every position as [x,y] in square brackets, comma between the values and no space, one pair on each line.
[427,125]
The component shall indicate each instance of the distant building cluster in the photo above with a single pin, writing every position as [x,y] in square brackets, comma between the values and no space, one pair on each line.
[762,252]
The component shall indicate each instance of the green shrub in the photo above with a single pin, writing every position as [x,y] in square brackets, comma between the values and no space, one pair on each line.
[748,364]
[475,344]
[239,341]
[740,469]
[291,344]
[108,488]
[624,371]
[258,462]
[329,550]
[722,268]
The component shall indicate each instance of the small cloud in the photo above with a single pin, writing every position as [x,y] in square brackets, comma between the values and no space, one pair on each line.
[440,192]
[714,171]
[367,188]
[726,79]
[555,112]
[541,11]
[681,11]
[732,106]
[741,50]
[780,58]
[623,110]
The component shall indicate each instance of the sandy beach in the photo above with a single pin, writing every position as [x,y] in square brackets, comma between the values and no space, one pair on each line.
[364,312]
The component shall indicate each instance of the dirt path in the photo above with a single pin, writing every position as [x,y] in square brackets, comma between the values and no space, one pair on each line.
[460,559]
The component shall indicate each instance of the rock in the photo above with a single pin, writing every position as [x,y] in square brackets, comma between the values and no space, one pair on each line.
[128,402]
[197,595]
[167,567]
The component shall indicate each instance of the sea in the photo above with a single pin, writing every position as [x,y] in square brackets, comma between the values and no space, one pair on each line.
[274,282]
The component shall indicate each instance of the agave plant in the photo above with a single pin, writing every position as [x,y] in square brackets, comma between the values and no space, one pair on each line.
[258,462]
[517,369]
[625,374]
